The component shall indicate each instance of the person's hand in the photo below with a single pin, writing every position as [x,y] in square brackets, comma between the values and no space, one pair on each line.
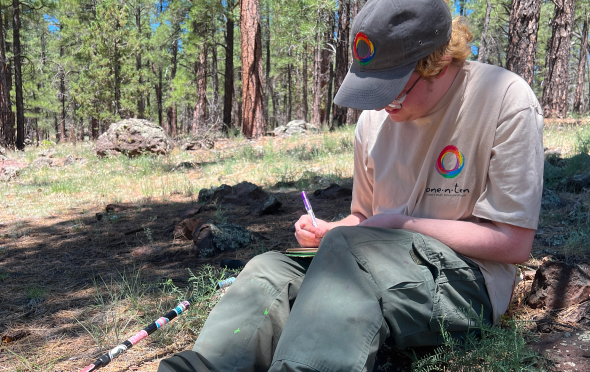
[308,235]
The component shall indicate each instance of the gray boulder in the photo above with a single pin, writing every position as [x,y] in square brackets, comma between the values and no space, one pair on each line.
[294,127]
[42,162]
[9,173]
[133,137]
[211,240]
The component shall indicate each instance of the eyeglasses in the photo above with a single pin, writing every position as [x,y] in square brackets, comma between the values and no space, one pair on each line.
[397,103]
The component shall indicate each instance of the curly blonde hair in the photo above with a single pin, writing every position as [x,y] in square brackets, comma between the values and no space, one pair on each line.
[458,48]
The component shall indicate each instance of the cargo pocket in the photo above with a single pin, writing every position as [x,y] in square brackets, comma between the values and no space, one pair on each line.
[460,295]
[405,288]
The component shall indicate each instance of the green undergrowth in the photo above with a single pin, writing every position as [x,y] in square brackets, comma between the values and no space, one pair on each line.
[492,349]
[125,305]
[577,161]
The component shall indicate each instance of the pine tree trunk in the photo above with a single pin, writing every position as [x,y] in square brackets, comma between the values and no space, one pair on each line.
[267,67]
[579,97]
[316,85]
[352,114]
[326,75]
[62,99]
[56,126]
[117,79]
[555,88]
[522,38]
[482,52]
[289,94]
[18,77]
[94,128]
[158,89]
[228,84]
[214,115]
[171,110]
[200,113]
[253,121]
[304,107]
[341,56]
[237,103]
[329,118]
[6,122]
[141,99]
[588,72]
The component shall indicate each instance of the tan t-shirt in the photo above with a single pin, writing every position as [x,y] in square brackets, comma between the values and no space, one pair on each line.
[478,154]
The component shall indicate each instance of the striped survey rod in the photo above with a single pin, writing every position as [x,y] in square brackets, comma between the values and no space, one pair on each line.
[162,321]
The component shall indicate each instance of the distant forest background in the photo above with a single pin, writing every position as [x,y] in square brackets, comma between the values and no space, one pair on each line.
[69,68]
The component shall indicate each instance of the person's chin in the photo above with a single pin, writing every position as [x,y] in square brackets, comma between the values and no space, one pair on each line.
[394,114]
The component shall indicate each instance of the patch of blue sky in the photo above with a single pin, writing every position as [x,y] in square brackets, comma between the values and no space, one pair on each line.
[52,23]
[456,8]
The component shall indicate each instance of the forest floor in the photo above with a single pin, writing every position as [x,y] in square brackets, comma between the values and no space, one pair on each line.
[76,279]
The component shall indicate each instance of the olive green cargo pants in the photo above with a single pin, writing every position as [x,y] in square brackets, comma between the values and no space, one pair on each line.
[365,285]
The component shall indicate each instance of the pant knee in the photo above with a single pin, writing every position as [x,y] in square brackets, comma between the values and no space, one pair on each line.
[271,268]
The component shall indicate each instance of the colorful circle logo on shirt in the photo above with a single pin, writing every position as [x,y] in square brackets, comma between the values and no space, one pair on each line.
[363,49]
[460,162]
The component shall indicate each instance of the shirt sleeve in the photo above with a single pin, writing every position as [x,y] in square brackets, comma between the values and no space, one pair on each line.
[362,185]
[515,176]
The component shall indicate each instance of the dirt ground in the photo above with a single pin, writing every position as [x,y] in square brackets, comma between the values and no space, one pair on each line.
[61,256]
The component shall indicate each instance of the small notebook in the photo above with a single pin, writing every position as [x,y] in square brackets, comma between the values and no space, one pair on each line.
[301,252]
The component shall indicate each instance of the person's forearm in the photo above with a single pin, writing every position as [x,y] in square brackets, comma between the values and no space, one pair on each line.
[489,241]
[352,220]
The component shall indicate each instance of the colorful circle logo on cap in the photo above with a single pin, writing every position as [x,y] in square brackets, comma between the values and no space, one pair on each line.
[363,49]
[460,162]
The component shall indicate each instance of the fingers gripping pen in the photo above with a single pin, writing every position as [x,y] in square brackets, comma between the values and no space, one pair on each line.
[308,208]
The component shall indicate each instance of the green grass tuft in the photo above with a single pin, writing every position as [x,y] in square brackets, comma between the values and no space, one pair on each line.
[495,349]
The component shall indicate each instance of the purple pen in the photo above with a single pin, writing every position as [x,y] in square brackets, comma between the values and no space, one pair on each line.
[308,208]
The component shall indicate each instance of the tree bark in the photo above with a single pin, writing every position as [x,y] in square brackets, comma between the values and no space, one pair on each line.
[214,115]
[237,103]
[579,106]
[482,52]
[304,106]
[56,126]
[62,99]
[141,99]
[94,128]
[522,38]
[158,88]
[171,112]
[228,85]
[200,113]
[6,122]
[253,123]
[316,86]
[289,94]
[341,56]
[555,88]
[267,67]
[18,77]
[352,114]
[117,76]
[329,118]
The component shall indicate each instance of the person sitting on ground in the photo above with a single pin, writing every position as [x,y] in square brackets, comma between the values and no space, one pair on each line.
[448,163]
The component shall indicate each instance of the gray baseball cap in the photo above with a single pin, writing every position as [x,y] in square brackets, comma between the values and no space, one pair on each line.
[390,37]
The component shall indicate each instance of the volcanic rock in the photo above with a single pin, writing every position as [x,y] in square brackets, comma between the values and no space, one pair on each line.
[211,240]
[186,227]
[133,137]
[334,191]
[244,193]
[559,285]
